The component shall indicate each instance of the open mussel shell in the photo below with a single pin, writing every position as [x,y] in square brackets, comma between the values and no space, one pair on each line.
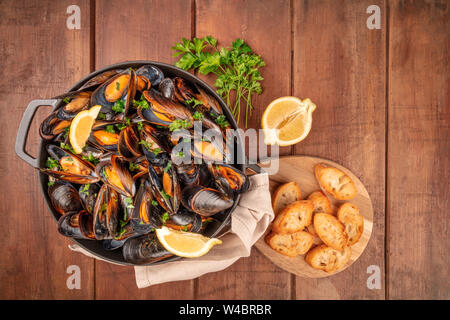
[88,195]
[105,135]
[100,226]
[121,87]
[128,144]
[146,215]
[209,150]
[205,201]
[126,233]
[76,225]
[228,179]
[165,188]
[152,146]
[116,174]
[52,126]
[185,220]
[71,167]
[188,174]
[78,103]
[164,111]
[64,197]
[144,249]
[151,74]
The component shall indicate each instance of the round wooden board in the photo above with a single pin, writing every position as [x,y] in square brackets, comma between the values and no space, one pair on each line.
[301,170]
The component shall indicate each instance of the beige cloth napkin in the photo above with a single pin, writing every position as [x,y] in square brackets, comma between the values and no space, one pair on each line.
[249,221]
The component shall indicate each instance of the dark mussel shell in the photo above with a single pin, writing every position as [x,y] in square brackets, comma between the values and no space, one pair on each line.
[146,215]
[205,201]
[52,126]
[78,103]
[75,225]
[209,150]
[185,220]
[144,249]
[121,87]
[100,226]
[115,173]
[105,136]
[163,111]
[128,144]
[228,179]
[165,188]
[72,167]
[113,211]
[126,233]
[88,194]
[167,88]
[152,146]
[64,197]
[151,74]
[188,174]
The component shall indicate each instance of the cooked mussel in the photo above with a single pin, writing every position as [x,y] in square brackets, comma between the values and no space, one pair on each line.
[128,144]
[100,226]
[115,173]
[146,214]
[116,95]
[64,197]
[205,201]
[88,195]
[189,173]
[228,179]
[165,188]
[150,75]
[53,126]
[69,167]
[144,249]
[76,225]
[185,220]
[152,146]
[78,103]
[167,88]
[105,135]
[163,111]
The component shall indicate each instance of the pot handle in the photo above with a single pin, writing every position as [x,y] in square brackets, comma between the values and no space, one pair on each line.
[24,127]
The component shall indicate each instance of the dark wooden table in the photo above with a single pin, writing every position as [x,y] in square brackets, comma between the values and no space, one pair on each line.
[383,112]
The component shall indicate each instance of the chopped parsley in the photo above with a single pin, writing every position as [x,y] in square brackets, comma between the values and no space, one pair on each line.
[120,126]
[193,101]
[167,168]
[50,183]
[156,151]
[129,203]
[185,228]
[165,195]
[154,203]
[119,106]
[117,85]
[133,167]
[105,175]
[142,103]
[222,121]
[66,100]
[91,159]
[165,217]
[66,146]
[66,131]
[52,164]
[179,124]
[101,116]
[146,144]
[140,125]
[198,116]
[85,189]
[180,154]
[110,128]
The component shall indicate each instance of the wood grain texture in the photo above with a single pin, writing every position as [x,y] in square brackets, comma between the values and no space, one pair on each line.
[340,64]
[301,170]
[143,30]
[40,58]
[266,28]
[419,150]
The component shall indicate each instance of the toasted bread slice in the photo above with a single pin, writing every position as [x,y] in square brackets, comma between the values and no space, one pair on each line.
[321,202]
[312,231]
[349,215]
[295,217]
[335,182]
[285,195]
[330,230]
[328,259]
[290,244]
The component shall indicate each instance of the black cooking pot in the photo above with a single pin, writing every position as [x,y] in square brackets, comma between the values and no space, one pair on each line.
[216,229]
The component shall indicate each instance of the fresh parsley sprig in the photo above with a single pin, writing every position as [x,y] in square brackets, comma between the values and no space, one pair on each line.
[236,68]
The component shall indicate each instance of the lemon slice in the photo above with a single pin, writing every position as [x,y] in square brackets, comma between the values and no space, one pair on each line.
[81,126]
[185,244]
[287,120]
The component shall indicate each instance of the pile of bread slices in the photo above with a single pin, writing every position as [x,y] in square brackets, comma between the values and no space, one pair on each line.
[310,227]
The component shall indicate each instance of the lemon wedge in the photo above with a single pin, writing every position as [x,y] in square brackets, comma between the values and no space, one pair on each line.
[287,120]
[185,244]
[81,126]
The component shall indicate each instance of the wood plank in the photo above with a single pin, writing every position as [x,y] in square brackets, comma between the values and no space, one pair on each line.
[144,30]
[419,150]
[40,58]
[265,26]
[340,64]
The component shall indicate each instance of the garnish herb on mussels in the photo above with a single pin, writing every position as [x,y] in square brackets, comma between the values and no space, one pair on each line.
[125,182]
